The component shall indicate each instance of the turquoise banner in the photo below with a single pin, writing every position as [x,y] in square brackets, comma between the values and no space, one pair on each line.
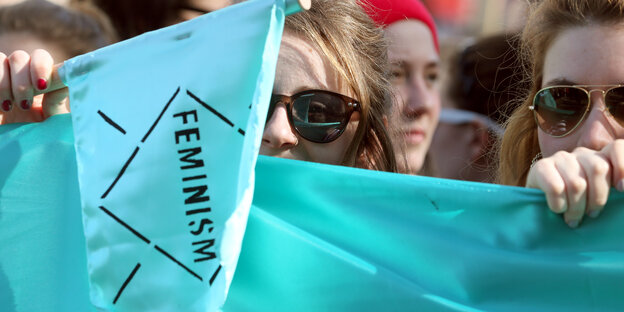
[43,263]
[327,238]
[167,127]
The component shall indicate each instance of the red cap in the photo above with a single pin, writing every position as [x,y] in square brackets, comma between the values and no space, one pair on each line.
[386,12]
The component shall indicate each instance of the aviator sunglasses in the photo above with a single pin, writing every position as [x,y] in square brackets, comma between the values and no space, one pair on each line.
[558,110]
[316,115]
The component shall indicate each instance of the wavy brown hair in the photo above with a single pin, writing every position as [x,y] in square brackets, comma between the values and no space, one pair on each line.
[356,49]
[520,146]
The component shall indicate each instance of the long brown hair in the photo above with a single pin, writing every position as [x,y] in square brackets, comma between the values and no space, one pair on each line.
[520,146]
[356,49]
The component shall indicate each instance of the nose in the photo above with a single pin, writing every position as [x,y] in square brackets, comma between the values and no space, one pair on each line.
[597,131]
[278,133]
[418,97]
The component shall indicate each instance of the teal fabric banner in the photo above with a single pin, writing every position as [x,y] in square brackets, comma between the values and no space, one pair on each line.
[167,128]
[327,238]
[43,264]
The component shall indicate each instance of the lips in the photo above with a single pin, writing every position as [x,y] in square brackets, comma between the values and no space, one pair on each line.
[415,136]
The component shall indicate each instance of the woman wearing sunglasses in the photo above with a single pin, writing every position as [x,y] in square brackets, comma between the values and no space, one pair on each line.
[330,90]
[567,137]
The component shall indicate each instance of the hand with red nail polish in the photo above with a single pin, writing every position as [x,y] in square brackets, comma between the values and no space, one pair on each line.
[42,84]
[31,82]
[6,105]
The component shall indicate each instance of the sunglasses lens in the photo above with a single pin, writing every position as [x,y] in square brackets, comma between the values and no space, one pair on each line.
[559,110]
[614,100]
[319,117]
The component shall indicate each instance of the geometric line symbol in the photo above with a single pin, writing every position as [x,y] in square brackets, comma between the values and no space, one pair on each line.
[136,268]
[127,164]
[214,275]
[214,111]
[146,240]
[135,232]
[111,122]
[178,262]
[160,116]
[121,172]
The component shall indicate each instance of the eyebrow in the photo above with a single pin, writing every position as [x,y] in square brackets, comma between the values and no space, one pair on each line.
[560,81]
[433,64]
[428,65]
[566,82]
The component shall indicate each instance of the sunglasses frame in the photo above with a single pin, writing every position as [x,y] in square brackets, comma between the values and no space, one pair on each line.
[588,89]
[351,106]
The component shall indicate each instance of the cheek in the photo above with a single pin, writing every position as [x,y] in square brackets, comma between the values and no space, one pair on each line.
[550,145]
[332,153]
[436,107]
[399,93]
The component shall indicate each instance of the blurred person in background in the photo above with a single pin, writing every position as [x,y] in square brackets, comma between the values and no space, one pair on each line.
[134,17]
[12,2]
[30,26]
[413,54]
[481,84]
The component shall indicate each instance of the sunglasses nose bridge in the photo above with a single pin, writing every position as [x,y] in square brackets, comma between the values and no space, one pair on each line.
[601,104]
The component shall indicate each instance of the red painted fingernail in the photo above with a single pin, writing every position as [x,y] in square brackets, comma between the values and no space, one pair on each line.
[6,105]
[42,84]
[25,104]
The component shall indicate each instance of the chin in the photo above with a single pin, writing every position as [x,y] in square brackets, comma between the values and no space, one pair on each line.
[415,161]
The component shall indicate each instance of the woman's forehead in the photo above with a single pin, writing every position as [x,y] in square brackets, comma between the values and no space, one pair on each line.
[586,55]
[302,66]
[411,40]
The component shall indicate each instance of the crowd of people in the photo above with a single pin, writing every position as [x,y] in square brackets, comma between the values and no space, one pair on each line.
[538,108]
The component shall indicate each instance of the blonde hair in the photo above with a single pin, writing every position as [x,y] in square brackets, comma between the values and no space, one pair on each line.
[356,49]
[77,29]
[520,146]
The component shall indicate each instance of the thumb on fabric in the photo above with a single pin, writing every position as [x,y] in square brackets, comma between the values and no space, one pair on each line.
[55,102]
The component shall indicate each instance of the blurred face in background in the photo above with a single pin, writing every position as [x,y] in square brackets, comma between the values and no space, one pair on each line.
[12,41]
[415,71]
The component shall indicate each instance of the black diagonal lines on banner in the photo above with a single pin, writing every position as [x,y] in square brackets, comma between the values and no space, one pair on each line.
[111,122]
[214,275]
[136,268]
[160,116]
[214,111]
[121,172]
[178,262]
[143,238]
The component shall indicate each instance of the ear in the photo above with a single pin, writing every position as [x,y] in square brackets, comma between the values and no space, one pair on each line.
[479,142]
[385,121]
